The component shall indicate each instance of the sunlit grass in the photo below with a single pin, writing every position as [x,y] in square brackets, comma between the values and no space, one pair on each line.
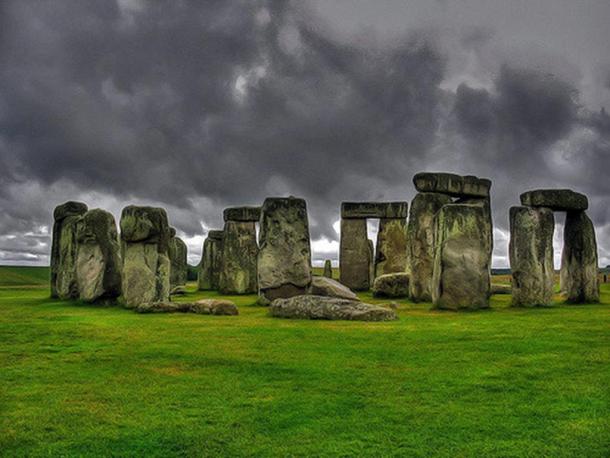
[85,380]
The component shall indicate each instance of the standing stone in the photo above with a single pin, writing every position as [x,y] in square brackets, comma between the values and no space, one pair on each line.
[238,260]
[284,259]
[98,260]
[354,254]
[64,250]
[531,255]
[461,273]
[371,263]
[391,253]
[178,261]
[328,269]
[145,244]
[209,269]
[579,280]
[420,243]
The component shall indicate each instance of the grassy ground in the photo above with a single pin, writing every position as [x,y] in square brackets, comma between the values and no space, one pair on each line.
[86,380]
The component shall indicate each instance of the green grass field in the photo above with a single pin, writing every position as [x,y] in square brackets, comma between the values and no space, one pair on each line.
[103,381]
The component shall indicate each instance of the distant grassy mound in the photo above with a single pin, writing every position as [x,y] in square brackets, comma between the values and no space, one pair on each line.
[24,276]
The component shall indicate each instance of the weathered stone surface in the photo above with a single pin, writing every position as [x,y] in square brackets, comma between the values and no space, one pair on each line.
[497,288]
[98,260]
[451,184]
[579,280]
[322,286]
[328,269]
[209,268]
[371,262]
[178,261]
[329,308]
[63,250]
[391,253]
[202,307]
[243,214]
[284,260]
[145,239]
[420,243]
[461,273]
[531,255]
[238,258]
[555,199]
[360,210]
[354,255]
[214,307]
[391,285]
[178,291]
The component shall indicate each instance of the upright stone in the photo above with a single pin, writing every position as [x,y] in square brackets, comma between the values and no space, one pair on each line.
[579,280]
[531,255]
[238,260]
[284,259]
[98,260]
[371,262]
[420,243]
[461,273]
[178,260]
[64,250]
[209,269]
[328,269]
[145,244]
[391,253]
[354,254]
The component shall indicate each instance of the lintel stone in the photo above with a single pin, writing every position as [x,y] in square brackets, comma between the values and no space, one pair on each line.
[452,184]
[555,199]
[243,214]
[374,209]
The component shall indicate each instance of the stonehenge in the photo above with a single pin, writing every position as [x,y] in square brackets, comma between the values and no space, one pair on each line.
[85,254]
[357,264]
[177,258]
[145,239]
[239,251]
[531,248]
[450,241]
[98,259]
[440,254]
[63,250]
[284,258]
[209,268]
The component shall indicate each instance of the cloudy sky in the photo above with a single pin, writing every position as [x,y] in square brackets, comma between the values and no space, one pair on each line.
[195,106]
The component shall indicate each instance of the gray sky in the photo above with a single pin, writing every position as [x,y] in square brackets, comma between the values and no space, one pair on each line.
[195,106]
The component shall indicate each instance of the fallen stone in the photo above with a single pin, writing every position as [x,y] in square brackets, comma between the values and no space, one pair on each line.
[391,285]
[391,252]
[214,307]
[329,308]
[420,243]
[531,255]
[555,199]
[328,269]
[98,260]
[451,184]
[323,286]
[209,268]
[202,307]
[360,210]
[243,214]
[145,238]
[284,260]
[355,258]
[497,288]
[579,271]
[178,291]
[64,250]
[461,274]
[238,261]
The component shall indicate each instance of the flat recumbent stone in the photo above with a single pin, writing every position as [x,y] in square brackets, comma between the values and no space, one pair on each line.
[555,199]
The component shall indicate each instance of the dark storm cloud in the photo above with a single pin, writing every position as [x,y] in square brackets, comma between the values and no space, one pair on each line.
[200,105]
